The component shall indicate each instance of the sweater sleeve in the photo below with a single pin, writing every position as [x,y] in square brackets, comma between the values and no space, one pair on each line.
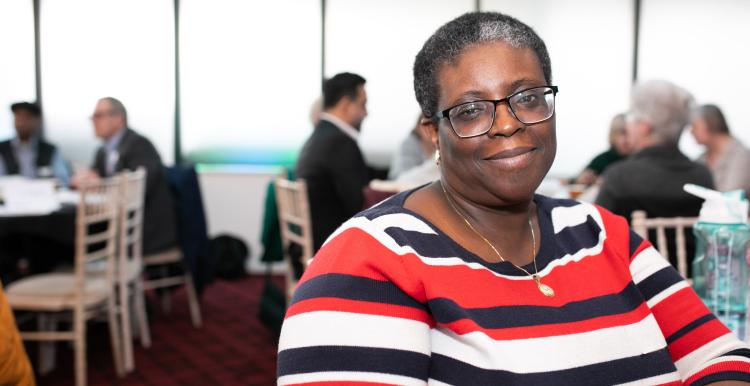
[357,316]
[702,348]
[15,368]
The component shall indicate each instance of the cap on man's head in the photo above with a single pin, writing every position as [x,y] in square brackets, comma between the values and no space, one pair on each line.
[31,108]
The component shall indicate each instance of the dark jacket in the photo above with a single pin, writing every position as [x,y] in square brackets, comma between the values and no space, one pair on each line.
[44,153]
[159,224]
[333,166]
[652,180]
[192,226]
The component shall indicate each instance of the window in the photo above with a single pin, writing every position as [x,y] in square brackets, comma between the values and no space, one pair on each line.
[379,39]
[96,48]
[590,43]
[250,72]
[17,73]
[702,47]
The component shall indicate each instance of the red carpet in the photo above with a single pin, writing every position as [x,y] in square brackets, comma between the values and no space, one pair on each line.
[232,347]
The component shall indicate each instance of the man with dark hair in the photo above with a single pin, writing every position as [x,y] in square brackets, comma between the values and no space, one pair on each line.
[27,154]
[726,157]
[331,161]
[124,149]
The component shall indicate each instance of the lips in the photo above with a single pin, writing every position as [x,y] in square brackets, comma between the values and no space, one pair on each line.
[510,153]
[512,158]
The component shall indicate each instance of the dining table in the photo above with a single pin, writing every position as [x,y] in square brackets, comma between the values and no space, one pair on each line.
[37,239]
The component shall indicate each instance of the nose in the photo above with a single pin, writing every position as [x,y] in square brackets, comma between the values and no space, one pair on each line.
[506,124]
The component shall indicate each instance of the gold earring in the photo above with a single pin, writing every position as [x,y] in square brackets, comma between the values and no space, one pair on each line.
[437,157]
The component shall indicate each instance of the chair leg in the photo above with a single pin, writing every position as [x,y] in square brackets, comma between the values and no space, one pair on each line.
[79,346]
[115,338]
[47,350]
[166,301]
[195,308]
[127,339]
[140,310]
[166,295]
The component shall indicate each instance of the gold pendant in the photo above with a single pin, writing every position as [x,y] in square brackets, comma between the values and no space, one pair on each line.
[543,288]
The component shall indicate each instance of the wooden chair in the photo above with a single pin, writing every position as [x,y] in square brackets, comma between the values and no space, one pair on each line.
[86,292]
[641,225]
[295,223]
[130,264]
[163,260]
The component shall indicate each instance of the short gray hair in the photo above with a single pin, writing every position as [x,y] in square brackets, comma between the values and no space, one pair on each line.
[117,106]
[664,105]
[453,38]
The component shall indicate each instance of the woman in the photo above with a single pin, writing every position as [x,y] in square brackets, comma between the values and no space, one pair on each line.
[474,279]
[413,151]
[618,149]
[725,155]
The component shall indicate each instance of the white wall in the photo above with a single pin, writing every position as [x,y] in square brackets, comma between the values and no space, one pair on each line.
[233,199]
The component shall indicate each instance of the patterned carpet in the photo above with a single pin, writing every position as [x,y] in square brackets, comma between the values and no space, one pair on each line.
[232,347]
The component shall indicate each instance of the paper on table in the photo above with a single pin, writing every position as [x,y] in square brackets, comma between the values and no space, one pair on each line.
[23,196]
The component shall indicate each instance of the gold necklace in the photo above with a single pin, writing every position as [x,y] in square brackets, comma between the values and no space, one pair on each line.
[543,288]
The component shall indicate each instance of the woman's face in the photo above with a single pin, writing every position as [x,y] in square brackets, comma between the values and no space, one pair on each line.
[700,131]
[507,164]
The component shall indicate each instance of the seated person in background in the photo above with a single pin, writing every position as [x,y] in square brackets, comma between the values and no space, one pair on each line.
[618,149]
[124,149]
[28,154]
[413,151]
[726,157]
[315,109]
[651,179]
[417,145]
[15,368]
[477,280]
[330,161]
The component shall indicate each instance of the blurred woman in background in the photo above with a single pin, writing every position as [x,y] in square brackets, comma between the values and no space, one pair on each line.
[618,149]
[726,157]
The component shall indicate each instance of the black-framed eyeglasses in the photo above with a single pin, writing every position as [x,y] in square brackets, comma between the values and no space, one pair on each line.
[529,106]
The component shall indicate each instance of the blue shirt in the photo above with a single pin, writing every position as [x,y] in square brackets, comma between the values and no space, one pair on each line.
[111,154]
[26,154]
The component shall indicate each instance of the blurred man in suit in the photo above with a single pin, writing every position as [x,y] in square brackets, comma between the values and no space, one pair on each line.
[124,149]
[27,154]
[331,162]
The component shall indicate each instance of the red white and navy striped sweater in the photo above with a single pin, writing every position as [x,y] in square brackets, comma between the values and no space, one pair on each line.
[390,299]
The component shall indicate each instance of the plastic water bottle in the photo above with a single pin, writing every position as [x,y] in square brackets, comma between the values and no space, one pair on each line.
[720,270]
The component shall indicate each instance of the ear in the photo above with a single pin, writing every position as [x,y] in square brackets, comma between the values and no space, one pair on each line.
[646,129]
[428,128]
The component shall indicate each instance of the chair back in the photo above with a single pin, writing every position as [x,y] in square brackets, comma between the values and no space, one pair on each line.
[641,225]
[295,224]
[96,231]
[130,214]
[192,227]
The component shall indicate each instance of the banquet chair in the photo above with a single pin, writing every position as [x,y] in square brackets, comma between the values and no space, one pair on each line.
[86,292]
[641,225]
[129,263]
[295,224]
[163,260]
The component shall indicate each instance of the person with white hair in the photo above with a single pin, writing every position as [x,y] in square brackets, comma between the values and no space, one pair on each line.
[651,179]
